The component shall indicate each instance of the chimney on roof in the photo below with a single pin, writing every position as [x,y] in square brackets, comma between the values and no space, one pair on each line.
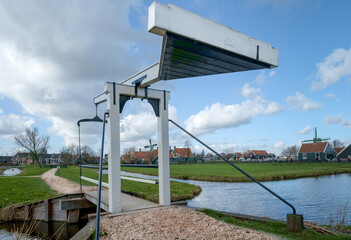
[139,149]
[174,148]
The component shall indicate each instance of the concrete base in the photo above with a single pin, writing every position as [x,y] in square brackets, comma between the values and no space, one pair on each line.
[294,222]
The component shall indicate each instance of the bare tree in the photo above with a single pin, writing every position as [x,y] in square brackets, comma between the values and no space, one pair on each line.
[88,154]
[336,143]
[128,154]
[188,145]
[34,143]
[68,153]
[291,151]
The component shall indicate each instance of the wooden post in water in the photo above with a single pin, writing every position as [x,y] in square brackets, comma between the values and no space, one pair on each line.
[294,222]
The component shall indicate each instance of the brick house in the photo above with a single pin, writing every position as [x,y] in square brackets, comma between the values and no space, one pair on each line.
[22,159]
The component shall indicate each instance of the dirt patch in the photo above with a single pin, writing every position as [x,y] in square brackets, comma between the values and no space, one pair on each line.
[174,223]
[62,185]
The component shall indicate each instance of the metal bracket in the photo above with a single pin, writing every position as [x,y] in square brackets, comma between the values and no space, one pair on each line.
[136,84]
[155,105]
[146,94]
[114,93]
[122,101]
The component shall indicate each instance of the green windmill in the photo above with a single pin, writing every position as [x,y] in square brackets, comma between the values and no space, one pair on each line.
[316,139]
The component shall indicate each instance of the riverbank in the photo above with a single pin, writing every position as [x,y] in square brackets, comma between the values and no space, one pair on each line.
[223,172]
[150,192]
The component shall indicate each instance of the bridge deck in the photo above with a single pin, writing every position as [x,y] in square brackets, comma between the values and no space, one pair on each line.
[129,203]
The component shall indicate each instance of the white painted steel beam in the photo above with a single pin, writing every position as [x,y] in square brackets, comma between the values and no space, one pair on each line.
[170,18]
[113,93]
[114,150]
[122,177]
[163,153]
[151,75]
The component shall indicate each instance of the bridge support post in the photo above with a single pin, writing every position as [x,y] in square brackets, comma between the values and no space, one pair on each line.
[163,152]
[294,222]
[114,152]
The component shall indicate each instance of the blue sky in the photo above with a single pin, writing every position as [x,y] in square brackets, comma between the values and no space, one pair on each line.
[56,56]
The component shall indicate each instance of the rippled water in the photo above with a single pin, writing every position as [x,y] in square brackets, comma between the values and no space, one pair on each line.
[11,172]
[316,198]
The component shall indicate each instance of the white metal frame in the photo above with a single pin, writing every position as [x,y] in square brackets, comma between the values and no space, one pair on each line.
[111,95]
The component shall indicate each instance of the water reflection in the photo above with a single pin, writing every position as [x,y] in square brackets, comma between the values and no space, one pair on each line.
[316,198]
[42,230]
[11,172]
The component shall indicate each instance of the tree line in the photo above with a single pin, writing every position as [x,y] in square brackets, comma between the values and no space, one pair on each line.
[37,145]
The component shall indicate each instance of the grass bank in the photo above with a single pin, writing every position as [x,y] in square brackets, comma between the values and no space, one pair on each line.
[277,228]
[33,170]
[21,190]
[222,172]
[179,191]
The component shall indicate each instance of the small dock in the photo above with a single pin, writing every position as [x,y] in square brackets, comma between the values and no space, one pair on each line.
[129,203]
[73,207]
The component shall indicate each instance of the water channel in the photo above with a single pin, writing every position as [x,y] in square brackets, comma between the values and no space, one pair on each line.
[43,230]
[11,172]
[318,199]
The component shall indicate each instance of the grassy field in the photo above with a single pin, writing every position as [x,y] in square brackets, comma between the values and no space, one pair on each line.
[276,228]
[179,191]
[223,172]
[33,170]
[21,190]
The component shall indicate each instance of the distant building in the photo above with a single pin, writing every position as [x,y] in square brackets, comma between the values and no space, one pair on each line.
[319,151]
[151,157]
[5,159]
[337,150]
[22,159]
[209,157]
[345,154]
[258,154]
[52,158]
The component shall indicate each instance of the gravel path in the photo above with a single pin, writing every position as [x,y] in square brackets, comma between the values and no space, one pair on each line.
[63,185]
[166,223]
[174,223]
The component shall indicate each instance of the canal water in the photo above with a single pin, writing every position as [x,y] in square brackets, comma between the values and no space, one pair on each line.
[318,199]
[42,230]
[11,172]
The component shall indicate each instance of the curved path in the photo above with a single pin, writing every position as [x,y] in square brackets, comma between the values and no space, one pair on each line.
[62,185]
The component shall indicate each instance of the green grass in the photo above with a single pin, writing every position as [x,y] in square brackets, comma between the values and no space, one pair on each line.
[33,170]
[223,172]
[276,228]
[21,190]
[179,191]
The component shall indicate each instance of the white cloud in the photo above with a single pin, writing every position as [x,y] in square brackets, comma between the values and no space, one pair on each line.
[334,67]
[305,131]
[262,76]
[278,147]
[12,124]
[219,116]
[337,119]
[272,73]
[249,92]
[329,95]
[300,102]
[56,56]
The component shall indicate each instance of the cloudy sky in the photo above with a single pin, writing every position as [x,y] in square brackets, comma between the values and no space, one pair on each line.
[55,56]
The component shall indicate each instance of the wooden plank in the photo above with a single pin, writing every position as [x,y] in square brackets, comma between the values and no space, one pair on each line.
[48,210]
[75,203]
[294,222]
[73,216]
